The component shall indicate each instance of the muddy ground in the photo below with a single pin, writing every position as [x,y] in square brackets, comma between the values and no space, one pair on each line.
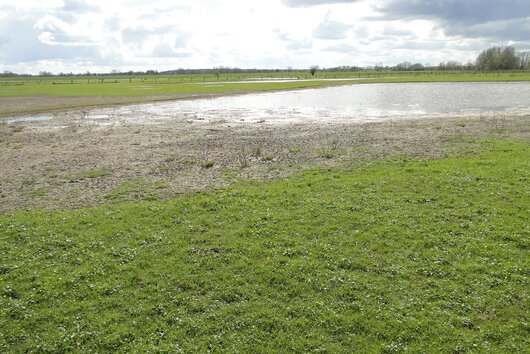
[19,105]
[71,162]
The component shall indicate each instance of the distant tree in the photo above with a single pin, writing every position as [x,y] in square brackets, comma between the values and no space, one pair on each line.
[523,59]
[453,65]
[403,66]
[313,69]
[470,65]
[498,58]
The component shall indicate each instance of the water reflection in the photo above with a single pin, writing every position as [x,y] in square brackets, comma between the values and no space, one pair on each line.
[354,102]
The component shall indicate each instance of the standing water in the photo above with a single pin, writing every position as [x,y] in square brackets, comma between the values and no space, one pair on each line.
[353,102]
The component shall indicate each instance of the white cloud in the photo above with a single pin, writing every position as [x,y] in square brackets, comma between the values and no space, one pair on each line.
[101,35]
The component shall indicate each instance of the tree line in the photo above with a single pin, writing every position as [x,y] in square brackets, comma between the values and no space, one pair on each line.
[502,58]
[491,59]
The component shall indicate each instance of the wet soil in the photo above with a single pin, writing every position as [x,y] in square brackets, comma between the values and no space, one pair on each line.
[71,161]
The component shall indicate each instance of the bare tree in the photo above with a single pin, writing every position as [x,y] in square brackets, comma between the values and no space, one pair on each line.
[523,59]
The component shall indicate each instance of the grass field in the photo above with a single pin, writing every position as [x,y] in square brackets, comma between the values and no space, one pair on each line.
[136,85]
[380,255]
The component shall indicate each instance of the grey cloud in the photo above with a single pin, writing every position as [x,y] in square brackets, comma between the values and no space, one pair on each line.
[515,30]
[496,19]
[307,3]
[78,6]
[468,11]
[331,30]
[468,46]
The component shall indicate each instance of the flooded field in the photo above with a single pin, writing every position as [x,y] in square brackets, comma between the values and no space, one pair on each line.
[351,103]
[359,103]
[81,157]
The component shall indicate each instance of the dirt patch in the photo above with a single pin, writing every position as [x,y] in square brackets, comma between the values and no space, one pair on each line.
[69,162]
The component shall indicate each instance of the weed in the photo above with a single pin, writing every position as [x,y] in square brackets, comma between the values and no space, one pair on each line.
[190,160]
[207,164]
[242,157]
[38,192]
[89,174]
[294,150]
[29,181]
[257,151]
[330,151]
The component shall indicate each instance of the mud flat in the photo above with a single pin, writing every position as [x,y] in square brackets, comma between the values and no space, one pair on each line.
[79,158]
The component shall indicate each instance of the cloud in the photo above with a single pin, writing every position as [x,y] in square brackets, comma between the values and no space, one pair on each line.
[78,7]
[25,45]
[300,44]
[138,35]
[418,45]
[166,51]
[500,20]
[54,31]
[331,30]
[341,48]
[514,30]
[295,43]
[469,11]
[307,3]
[392,31]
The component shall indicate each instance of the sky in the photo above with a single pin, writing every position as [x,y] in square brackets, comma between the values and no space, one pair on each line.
[104,35]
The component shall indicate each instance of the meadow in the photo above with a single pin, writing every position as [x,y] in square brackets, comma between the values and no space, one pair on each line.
[144,85]
[393,254]
[388,237]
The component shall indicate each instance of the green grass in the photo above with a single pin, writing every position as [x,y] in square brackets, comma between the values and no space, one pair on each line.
[207,84]
[38,192]
[136,189]
[386,255]
[207,164]
[88,174]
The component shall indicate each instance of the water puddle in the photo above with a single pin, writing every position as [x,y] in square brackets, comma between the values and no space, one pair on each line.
[38,118]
